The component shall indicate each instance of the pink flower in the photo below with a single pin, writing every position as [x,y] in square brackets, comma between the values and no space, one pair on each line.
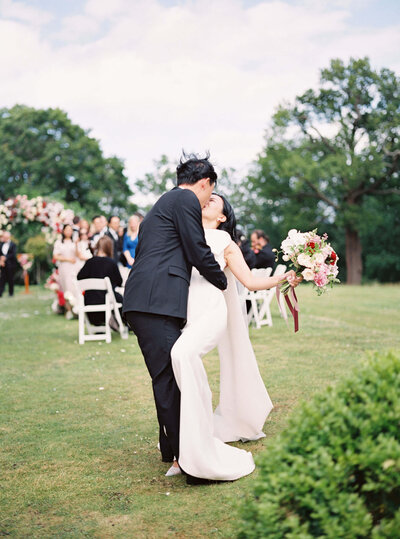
[321,278]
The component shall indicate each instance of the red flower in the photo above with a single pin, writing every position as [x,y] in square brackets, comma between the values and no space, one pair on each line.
[44,204]
[311,244]
[333,255]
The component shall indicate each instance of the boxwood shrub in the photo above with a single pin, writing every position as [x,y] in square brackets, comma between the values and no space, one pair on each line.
[335,471]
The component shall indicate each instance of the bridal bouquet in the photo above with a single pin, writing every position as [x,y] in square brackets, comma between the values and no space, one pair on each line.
[312,257]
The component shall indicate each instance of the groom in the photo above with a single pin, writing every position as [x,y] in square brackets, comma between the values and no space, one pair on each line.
[171,242]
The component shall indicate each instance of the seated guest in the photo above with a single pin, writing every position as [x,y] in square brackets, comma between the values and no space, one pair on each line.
[99,266]
[260,255]
[8,263]
[131,240]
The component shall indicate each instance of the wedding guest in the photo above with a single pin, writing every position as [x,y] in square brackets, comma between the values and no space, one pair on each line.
[112,233]
[99,223]
[260,255]
[139,215]
[101,265]
[64,253]
[245,247]
[75,228]
[131,239]
[83,251]
[8,263]
[84,224]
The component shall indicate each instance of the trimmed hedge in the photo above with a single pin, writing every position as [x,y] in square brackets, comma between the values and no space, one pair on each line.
[335,471]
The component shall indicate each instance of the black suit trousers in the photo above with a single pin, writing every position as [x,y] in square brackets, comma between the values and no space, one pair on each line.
[156,336]
[7,276]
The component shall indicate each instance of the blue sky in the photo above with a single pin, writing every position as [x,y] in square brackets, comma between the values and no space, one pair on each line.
[151,77]
[363,13]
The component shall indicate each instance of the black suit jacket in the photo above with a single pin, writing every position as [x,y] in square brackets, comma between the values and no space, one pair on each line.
[265,258]
[116,245]
[11,257]
[171,242]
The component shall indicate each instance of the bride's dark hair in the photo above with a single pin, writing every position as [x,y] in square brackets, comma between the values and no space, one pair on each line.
[230,224]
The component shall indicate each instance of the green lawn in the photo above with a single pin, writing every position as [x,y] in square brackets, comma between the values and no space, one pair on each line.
[78,426]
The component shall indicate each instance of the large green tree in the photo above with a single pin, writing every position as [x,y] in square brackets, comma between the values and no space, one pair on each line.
[330,154]
[43,153]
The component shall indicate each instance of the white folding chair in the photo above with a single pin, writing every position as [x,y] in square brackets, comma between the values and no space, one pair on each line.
[256,298]
[94,333]
[123,330]
[264,312]
[260,311]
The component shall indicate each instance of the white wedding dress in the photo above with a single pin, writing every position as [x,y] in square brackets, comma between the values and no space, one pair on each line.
[215,319]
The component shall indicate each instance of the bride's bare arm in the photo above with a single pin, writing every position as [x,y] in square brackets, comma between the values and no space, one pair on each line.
[234,259]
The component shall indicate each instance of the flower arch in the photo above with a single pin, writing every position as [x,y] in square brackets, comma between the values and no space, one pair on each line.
[21,209]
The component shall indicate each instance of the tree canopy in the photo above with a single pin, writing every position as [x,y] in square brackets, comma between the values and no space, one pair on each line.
[43,153]
[331,152]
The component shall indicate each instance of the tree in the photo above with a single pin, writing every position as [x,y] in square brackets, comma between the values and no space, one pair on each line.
[38,247]
[43,153]
[331,152]
[155,183]
[163,178]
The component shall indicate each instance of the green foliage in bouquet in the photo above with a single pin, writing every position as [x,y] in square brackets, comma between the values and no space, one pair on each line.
[335,471]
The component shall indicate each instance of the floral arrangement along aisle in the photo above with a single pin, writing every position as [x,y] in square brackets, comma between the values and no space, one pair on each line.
[25,261]
[21,209]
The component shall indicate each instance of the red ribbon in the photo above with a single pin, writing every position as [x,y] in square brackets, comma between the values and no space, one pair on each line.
[294,309]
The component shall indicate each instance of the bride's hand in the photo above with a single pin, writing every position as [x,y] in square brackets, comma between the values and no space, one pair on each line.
[292,278]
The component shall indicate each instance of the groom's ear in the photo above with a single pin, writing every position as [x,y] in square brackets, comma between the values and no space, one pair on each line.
[204,183]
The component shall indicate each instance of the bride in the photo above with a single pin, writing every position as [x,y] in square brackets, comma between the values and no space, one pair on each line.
[215,318]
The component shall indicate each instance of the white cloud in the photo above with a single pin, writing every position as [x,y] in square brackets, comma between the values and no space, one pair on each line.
[21,11]
[151,79]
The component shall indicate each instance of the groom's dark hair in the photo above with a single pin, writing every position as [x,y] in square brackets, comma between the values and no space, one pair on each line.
[192,168]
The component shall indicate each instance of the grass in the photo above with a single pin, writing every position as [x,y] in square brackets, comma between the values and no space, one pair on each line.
[78,431]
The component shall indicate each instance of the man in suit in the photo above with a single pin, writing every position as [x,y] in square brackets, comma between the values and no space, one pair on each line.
[99,223]
[112,232]
[171,242]
[8,263]
[260,255]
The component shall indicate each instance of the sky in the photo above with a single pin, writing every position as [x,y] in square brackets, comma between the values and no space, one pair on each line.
[153,77]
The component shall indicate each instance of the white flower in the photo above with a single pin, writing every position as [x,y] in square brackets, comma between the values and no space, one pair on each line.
[285,258]
[308,274]
[304,260]
[333,270]
[318,258]
[297,237]
[326,251]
